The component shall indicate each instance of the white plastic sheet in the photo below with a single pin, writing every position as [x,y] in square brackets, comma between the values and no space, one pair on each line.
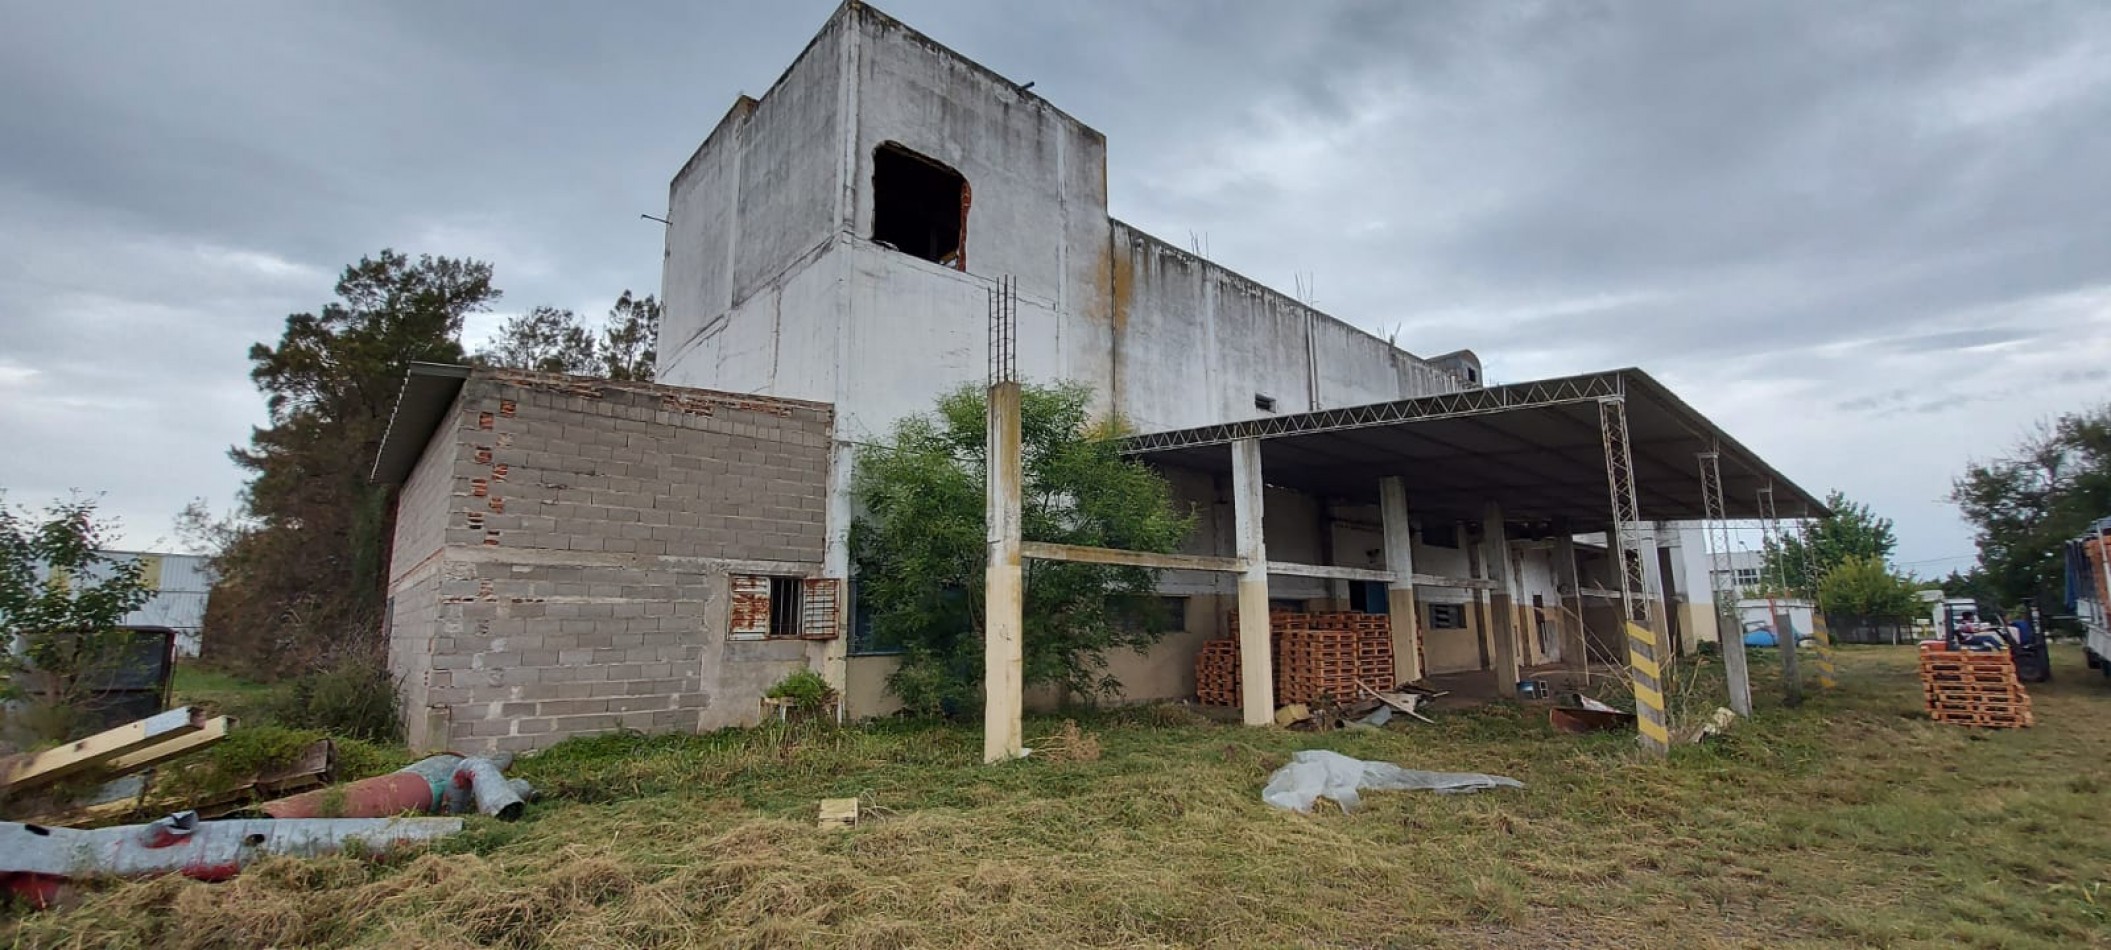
[1316,773]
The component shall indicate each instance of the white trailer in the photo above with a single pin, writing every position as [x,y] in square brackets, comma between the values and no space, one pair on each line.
[2088,585]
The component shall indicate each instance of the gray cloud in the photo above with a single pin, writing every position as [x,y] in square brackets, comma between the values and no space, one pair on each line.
[1870,238]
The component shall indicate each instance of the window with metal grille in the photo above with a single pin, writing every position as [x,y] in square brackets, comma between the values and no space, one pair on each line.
[782,608]
[1447,616]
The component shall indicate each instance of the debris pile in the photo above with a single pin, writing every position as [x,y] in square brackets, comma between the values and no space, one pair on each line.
[1317,656]
[1973,688]
[1317,773]
[38,858]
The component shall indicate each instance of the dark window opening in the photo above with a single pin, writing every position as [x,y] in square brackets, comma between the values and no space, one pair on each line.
[1447,616]
[919,206]
[865,639]
[1473,375]
[1440,535]
[784,606]
[1369,597]
[1263,402]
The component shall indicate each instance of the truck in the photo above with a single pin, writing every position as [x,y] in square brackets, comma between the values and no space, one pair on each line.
[2089,592]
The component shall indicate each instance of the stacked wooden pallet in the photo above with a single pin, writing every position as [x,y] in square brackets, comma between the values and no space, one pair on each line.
[1316,655]
[1217,673]
[1973,689]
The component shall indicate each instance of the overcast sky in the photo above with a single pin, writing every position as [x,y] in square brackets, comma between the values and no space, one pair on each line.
[1870,239]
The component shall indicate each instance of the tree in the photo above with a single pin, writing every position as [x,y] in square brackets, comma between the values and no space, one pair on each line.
[545,339]
[300,583]
[61,601]
[2024,506]
[630,341]
[1799,560]
[1866,587]
[920,546]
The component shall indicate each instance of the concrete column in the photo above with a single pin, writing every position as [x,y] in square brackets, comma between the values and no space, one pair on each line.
[1575,643]
[1653,586]
[835,562]
[1400,592]
[1003,638]
[1502,618]
[1256,665]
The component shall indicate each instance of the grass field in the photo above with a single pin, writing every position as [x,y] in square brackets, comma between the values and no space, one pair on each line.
[1849,821]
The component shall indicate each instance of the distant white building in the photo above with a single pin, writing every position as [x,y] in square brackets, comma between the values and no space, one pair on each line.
[180,583]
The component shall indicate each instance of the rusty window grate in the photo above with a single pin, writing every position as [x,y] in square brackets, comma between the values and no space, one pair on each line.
[766,607]
[750,607]
[817,608]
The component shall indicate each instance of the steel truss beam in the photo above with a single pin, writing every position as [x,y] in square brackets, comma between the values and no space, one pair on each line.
[1645,655]
[1471,402]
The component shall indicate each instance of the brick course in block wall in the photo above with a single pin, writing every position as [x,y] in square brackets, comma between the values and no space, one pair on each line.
[582,534]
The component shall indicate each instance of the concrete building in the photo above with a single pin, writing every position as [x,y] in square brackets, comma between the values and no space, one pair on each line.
[573,556]
[834,249]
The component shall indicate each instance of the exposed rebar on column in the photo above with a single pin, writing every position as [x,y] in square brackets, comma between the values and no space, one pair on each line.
[1004,577]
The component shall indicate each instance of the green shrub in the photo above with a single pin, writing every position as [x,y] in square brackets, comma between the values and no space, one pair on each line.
[352,700]
[805,688]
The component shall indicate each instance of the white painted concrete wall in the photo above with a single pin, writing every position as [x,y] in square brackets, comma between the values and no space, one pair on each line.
[758,299]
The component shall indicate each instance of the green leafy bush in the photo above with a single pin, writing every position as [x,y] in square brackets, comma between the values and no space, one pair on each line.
[353,699]
[805,688]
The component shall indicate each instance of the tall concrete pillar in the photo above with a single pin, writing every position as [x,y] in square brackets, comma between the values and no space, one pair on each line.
[1004,622]
[1655,585]
[835,562]
[1256,665]
[1502,619]
[1400,592]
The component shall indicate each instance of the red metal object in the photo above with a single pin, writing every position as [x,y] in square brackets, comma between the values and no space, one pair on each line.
[393,794]
[1580,721]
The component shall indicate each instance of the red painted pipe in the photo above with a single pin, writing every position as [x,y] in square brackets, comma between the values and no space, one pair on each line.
[396,793]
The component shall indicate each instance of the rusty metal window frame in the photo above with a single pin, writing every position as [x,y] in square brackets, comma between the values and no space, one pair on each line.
[1453,616]
[782,607]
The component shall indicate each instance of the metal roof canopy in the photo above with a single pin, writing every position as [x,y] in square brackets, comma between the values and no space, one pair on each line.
[1533,447]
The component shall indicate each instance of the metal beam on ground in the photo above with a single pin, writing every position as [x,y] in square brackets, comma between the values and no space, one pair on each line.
[1644,644]
[1728,633]
[1256,664]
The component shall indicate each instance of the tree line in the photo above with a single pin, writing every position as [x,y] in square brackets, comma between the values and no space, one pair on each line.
[301,564]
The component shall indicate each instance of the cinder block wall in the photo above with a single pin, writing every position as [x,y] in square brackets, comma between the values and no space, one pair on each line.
[589,529]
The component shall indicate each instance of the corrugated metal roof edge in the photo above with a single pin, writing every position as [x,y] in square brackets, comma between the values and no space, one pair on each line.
[1702,425]
[429,390]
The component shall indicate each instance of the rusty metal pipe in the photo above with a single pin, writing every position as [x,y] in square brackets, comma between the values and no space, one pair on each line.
[488,786]
[417,788]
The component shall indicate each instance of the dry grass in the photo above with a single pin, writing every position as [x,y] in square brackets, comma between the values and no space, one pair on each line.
[1850,821]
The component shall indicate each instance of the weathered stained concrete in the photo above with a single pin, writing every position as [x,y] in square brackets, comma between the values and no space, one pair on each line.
[772,285]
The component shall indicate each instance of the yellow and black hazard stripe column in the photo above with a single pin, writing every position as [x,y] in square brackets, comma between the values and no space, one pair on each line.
[1828,672]
[1650,718]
